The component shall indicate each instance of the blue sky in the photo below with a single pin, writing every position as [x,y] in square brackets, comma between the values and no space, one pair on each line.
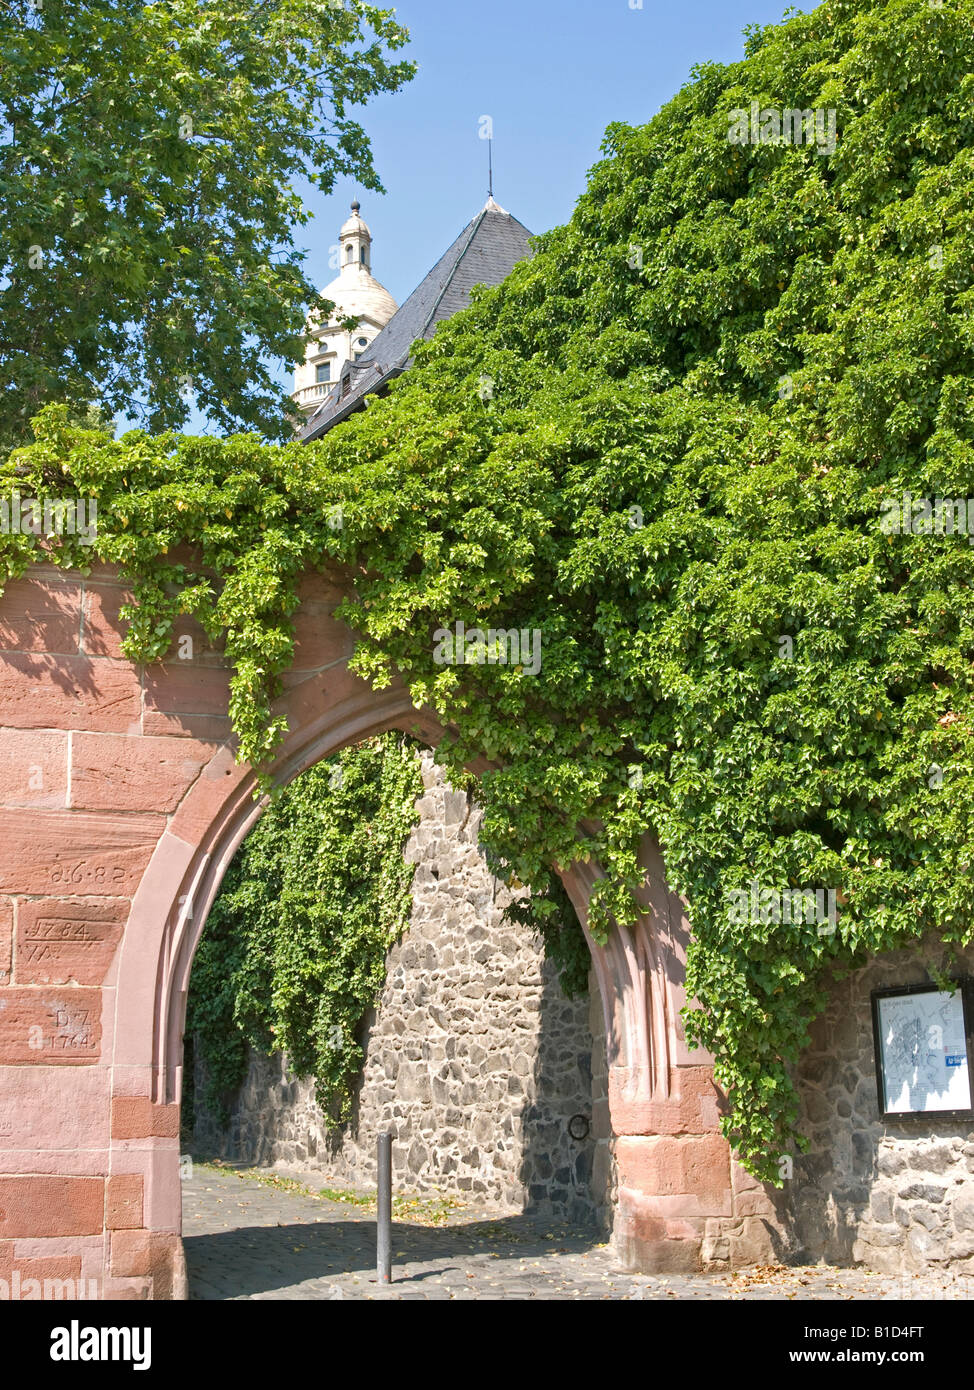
[552,74]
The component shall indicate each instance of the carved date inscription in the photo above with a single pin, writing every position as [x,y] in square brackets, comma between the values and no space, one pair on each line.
[40,1027]
[68,943]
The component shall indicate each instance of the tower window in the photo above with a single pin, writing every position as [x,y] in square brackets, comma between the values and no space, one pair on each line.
[361,255]
[323,371]
[348,253]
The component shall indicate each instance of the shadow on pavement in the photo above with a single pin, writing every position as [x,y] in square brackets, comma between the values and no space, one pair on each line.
[248,1260]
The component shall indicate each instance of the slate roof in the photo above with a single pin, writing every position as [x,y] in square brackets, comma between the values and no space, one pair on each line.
[483,254]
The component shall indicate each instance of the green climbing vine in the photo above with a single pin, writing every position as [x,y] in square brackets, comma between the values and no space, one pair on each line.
[704,391]
[293,951]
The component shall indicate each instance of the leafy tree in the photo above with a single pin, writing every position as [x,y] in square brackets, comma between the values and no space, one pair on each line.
[705,388]
[147,204]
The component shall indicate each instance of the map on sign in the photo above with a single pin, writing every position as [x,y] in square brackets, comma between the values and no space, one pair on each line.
[924,1060]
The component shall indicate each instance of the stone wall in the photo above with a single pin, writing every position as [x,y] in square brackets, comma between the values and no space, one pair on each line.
[894,1196]
[475,1060]
[605,1172]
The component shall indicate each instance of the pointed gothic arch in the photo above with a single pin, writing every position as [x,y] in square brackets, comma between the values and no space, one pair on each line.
[108,866]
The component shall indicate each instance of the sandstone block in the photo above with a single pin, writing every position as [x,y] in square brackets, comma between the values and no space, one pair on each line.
[76,692]
[6,939]
[123,1202]
[115,772]
[51,1206]
[319,640]
[672,1165]
[33,768]
[103,627]
[50,1026]
[94,853]
[40,615]
[62,941]
[136,1117]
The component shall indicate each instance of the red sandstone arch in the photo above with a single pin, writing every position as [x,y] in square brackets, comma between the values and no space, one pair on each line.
[120,808]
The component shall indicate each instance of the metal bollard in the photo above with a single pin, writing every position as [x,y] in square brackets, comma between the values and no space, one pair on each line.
[383,1215]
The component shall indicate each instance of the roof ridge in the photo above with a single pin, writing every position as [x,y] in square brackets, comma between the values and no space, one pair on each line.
[474,228]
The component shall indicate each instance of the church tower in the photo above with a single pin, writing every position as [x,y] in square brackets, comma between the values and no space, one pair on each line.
[355,293]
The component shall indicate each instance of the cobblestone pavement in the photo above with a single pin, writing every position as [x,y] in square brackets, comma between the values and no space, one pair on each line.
[245,1239]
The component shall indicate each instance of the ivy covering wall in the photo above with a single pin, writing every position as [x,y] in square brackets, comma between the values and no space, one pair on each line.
[293,952]
[292,956]
[707,390]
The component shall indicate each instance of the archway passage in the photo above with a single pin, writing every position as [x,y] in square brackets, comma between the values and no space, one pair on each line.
[121,809]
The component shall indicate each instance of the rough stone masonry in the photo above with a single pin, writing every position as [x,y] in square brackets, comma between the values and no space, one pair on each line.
[891,1195]
[475,1059]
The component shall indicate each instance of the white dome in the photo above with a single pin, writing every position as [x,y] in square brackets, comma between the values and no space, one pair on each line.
[356,292]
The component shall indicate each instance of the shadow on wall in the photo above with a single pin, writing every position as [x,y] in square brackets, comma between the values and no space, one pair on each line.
[558,1137]
[893,1195]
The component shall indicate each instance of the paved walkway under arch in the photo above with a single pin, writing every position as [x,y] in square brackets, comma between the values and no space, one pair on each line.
[247,1239]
